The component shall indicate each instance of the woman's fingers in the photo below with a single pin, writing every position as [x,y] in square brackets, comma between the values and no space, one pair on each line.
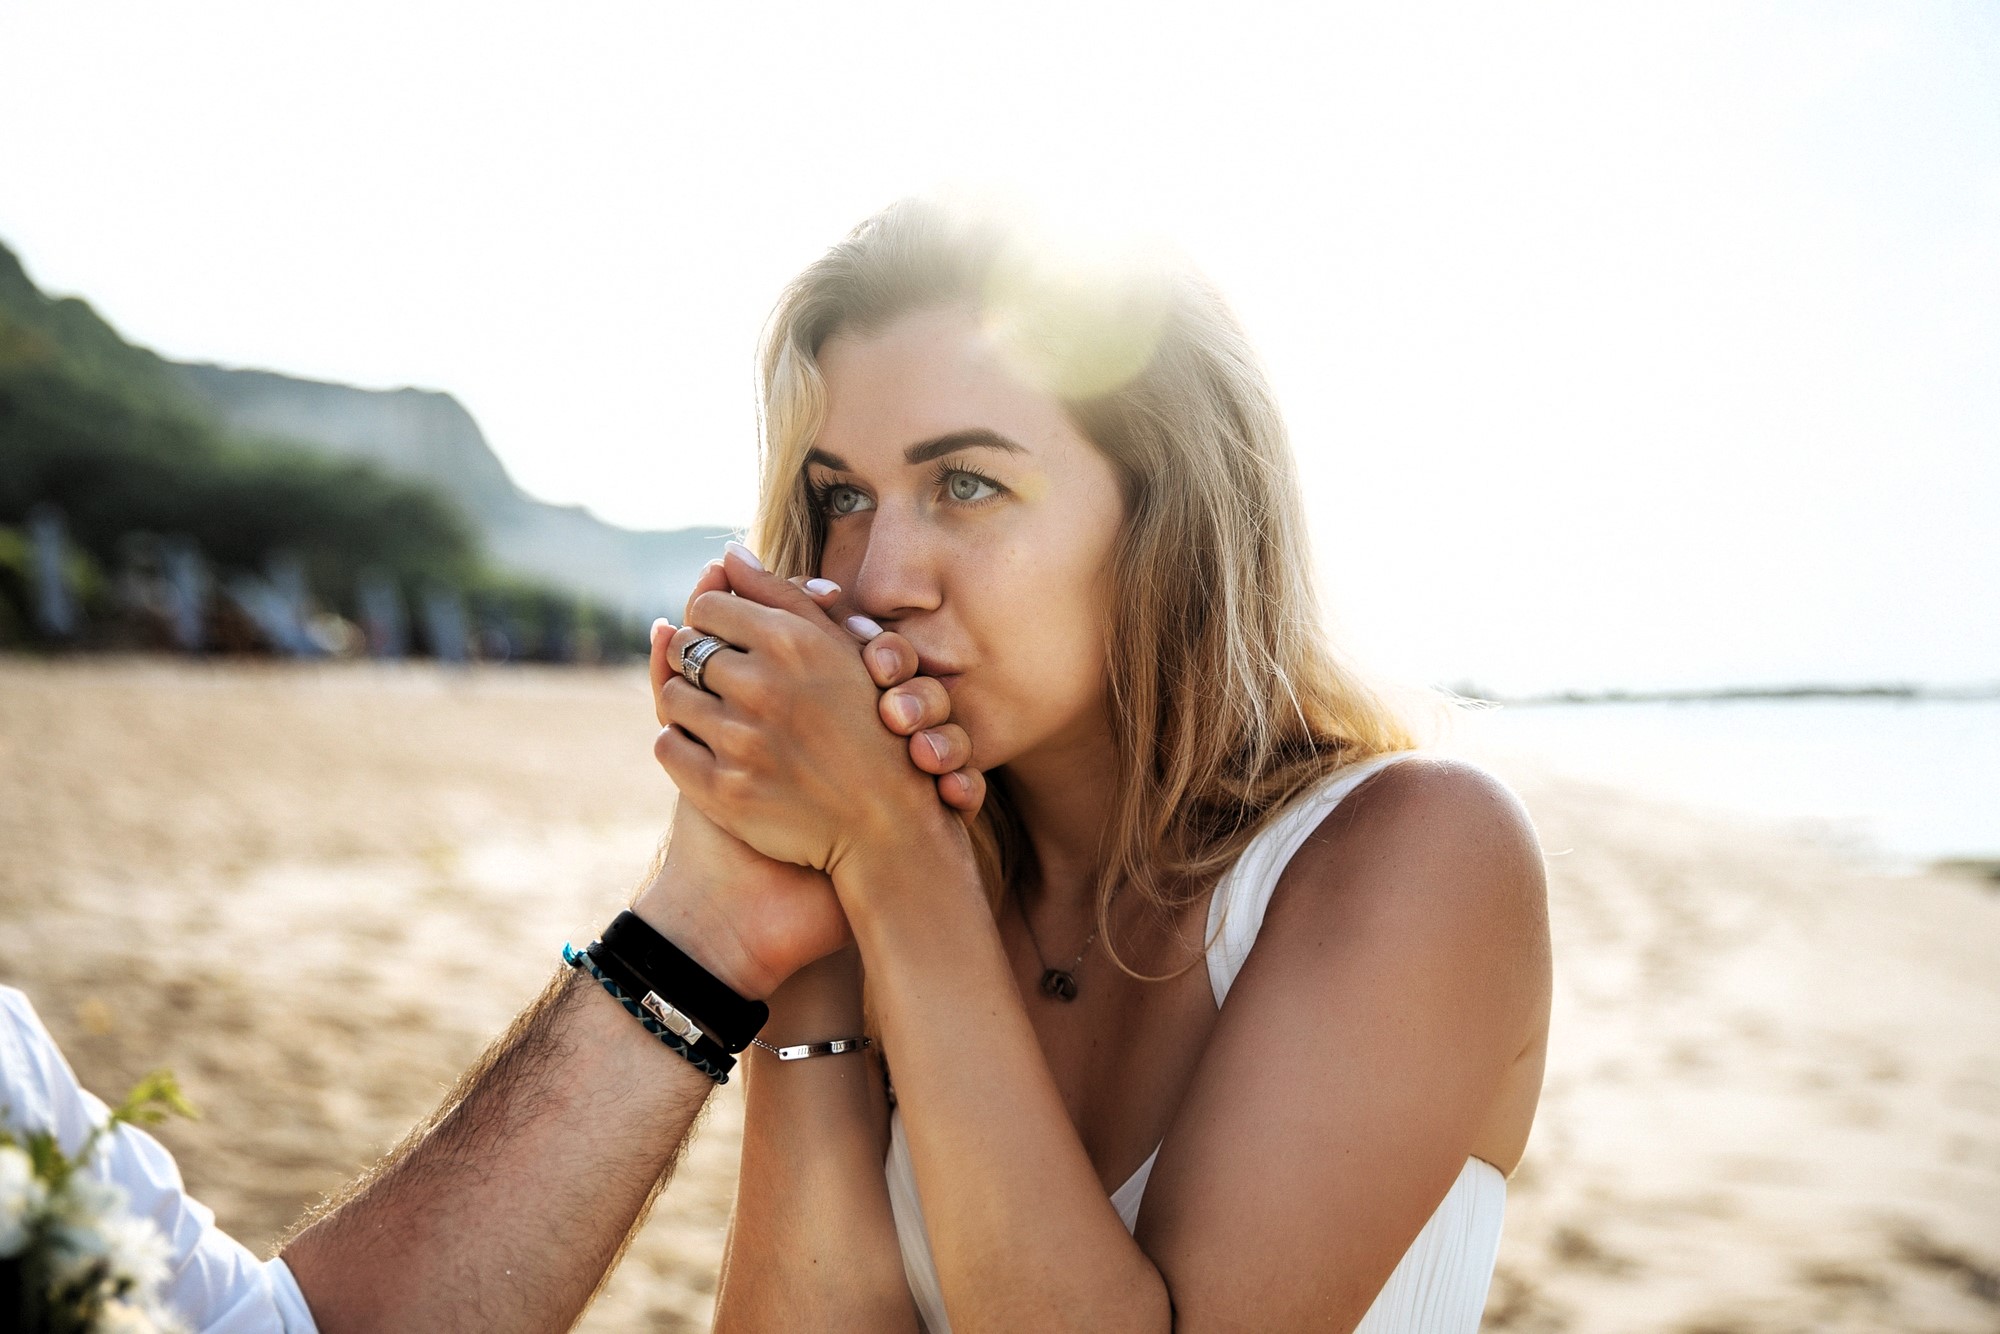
[662,658]
[890,658]
[916,704]
[714,578]
[715,669]
[688,763]
[823,592]
[695,712]
[659,666]
[912,706]
[941,749]
[757,588]
[964,791]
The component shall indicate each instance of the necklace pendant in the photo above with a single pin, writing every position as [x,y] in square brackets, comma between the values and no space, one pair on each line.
[1060,984]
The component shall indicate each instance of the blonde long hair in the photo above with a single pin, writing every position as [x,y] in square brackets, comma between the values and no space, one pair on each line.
[1226,697]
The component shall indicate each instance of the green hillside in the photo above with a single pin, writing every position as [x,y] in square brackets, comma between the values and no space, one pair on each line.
[251,463]
[110,433]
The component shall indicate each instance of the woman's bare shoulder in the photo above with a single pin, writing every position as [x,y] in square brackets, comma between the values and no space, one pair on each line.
[1426,806]
[1432,848]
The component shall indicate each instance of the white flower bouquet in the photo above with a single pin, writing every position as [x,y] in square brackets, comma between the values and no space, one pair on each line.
[73,1258]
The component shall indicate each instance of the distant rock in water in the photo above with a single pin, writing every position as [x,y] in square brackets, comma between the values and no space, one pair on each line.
[429,435]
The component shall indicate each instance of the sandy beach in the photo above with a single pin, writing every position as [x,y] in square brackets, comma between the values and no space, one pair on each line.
[1773,1092]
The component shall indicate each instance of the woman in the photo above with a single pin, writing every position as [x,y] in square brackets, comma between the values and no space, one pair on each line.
[1228,1009]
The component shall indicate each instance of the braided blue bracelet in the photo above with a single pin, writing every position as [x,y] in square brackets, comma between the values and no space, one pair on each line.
[576,958]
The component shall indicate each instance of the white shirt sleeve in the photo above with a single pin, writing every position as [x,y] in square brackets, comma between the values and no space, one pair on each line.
[217,1285]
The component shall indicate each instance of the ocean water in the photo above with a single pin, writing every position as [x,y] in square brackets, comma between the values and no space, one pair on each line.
[1899,782]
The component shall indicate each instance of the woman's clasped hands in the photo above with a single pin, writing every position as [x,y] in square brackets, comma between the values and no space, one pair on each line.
[809,742]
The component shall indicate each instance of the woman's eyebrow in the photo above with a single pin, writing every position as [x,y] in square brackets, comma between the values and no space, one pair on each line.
[979,438]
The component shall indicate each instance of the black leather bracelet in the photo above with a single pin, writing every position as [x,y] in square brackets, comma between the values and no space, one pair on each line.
[580,960]
[732,1020]
[664,1013]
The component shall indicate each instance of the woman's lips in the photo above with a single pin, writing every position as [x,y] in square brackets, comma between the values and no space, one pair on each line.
[944,673]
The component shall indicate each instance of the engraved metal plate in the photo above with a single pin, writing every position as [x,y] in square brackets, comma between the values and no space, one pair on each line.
[671,1019]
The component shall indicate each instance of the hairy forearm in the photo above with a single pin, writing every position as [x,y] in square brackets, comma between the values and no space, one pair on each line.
[1014,1249]
[506,1210]
[812,1242]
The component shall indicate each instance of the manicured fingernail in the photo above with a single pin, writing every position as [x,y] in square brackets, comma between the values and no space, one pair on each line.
[744,554]
[819,588]
[907,710]
[864,627]
[662,624]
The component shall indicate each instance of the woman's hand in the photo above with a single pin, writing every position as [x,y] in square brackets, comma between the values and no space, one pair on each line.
[911,706]
[786,749]
[758,920]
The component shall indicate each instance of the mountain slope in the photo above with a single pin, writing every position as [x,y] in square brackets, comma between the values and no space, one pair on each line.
[429,435]
[50,344]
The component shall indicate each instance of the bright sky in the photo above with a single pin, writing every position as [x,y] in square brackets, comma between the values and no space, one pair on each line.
[1622,345]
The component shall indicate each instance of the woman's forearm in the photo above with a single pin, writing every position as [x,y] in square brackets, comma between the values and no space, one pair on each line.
[1021,1230]
[812,1242]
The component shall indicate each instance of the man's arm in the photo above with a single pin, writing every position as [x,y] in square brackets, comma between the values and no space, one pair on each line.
[508,1207]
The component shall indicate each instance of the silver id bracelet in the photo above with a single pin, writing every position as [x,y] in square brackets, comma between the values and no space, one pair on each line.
[831,1047]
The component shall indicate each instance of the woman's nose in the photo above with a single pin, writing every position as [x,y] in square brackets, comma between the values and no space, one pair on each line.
[898,574]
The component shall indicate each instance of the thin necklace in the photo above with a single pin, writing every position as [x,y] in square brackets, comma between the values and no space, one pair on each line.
[1058,982]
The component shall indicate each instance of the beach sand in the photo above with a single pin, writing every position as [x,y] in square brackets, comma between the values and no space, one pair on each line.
[1773,1090]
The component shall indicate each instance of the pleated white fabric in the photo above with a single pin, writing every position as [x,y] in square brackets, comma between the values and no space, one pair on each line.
[1440,1285]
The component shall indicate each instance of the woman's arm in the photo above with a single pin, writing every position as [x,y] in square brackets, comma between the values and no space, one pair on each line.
[812,1243]
[1021,1231]
[1402,968]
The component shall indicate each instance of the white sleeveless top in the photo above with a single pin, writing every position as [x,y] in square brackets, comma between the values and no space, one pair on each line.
[1439,1286]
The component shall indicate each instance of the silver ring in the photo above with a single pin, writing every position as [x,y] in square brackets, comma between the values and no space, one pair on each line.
[696,655]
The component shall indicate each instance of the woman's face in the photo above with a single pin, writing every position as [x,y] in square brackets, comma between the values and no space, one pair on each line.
[966,512]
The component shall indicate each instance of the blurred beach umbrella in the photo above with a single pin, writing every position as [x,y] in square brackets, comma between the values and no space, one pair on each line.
[55,605]
[383,619]
[444,623]
[187,581]
[274,615]
[288,584]
[500,633]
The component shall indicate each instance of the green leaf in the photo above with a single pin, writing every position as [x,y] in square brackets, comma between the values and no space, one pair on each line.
[156,1096]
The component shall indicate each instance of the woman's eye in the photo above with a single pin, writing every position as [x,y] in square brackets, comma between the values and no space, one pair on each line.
[969,486]
[845,500]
